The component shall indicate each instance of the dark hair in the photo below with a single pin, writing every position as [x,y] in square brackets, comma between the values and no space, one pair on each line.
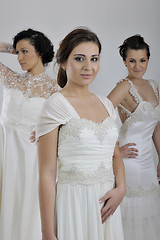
[135,42]
[41,43]
[73,39]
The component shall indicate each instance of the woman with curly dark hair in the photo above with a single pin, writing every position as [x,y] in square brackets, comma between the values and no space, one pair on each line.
[24,95]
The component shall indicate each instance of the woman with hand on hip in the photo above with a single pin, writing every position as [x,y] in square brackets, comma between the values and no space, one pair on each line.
[137,100]
[24,95]
[80,128]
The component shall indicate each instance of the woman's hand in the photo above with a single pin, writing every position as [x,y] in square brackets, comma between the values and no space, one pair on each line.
[129,152]
[33,137]
[111,201]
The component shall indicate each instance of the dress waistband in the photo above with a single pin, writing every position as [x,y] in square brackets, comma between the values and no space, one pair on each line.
[76,176]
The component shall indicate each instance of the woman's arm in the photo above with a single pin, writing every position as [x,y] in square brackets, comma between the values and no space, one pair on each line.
[8,78]
[47,153]
[156,140]
[113,198]
[119,93]
[7,48]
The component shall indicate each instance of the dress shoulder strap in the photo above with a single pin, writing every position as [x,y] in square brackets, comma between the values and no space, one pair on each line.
[133,91]
[155,88]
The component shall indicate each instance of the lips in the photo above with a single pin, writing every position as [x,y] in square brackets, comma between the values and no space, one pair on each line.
[86,76]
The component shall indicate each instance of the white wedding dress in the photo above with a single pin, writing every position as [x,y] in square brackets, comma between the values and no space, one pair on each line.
[85,151]
[22,103]
[141,205]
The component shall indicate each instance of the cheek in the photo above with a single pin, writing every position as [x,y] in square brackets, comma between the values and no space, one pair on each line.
[73,69]
[96,68]
[130,66]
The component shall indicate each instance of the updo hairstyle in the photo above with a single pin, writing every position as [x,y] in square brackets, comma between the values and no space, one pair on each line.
[135,42]
[39,41]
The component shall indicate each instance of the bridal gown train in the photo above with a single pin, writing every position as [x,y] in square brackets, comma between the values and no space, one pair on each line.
[141,205]
[85,151]
[19,205]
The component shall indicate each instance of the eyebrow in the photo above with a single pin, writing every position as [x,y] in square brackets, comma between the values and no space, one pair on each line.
[134,58]
[79,54]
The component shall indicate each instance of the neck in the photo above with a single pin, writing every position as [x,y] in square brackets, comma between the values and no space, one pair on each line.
[134,79]
[37,70]
[76,90]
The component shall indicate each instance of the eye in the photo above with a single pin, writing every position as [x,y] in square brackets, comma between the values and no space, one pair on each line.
[143,60]
[17,52]
[79,59]
[24,51]
[132,61]
[94,59]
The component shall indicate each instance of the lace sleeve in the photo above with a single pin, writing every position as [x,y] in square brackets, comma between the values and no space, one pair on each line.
[8,78]
[6,48]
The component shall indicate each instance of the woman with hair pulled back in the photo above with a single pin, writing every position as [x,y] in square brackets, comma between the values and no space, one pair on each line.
[137,100]
[79,129]
[23,97]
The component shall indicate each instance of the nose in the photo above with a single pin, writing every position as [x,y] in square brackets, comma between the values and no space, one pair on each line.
[20,56]
[87,65]
[137,64]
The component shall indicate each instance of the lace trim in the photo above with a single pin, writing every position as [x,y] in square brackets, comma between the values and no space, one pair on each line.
[155,88]
[142,192]
[75,176]
[138,115]
[6,48]
[133,91]
[31,86]
[75,126]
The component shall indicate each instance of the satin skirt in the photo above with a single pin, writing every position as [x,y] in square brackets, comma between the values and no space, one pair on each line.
[19,204]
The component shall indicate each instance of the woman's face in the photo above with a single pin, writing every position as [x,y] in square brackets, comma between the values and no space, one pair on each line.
[28,58]
[136,63]
[82,64]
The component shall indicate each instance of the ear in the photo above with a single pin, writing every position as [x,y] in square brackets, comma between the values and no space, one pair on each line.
[63,66]
[125,63]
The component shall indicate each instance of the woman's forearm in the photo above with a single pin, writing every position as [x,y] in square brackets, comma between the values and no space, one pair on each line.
[156,139]
[47,194]
[119,171]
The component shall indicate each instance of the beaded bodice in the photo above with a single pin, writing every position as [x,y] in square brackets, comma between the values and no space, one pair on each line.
[23,97]
[144,114]
[31,86]
[136,96]
[85,151]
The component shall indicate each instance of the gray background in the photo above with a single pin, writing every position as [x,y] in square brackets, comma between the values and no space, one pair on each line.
[113,21]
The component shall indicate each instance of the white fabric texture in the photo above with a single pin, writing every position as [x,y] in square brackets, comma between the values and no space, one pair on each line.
[85,150]
[141,205]
[19,203]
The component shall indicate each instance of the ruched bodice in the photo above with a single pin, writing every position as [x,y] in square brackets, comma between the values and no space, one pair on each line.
[87,147]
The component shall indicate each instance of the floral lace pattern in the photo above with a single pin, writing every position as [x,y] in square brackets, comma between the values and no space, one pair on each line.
[134,93]
[142,192]
[31,86]
[138,115]
[75,126]
[75,176]
[6,48]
